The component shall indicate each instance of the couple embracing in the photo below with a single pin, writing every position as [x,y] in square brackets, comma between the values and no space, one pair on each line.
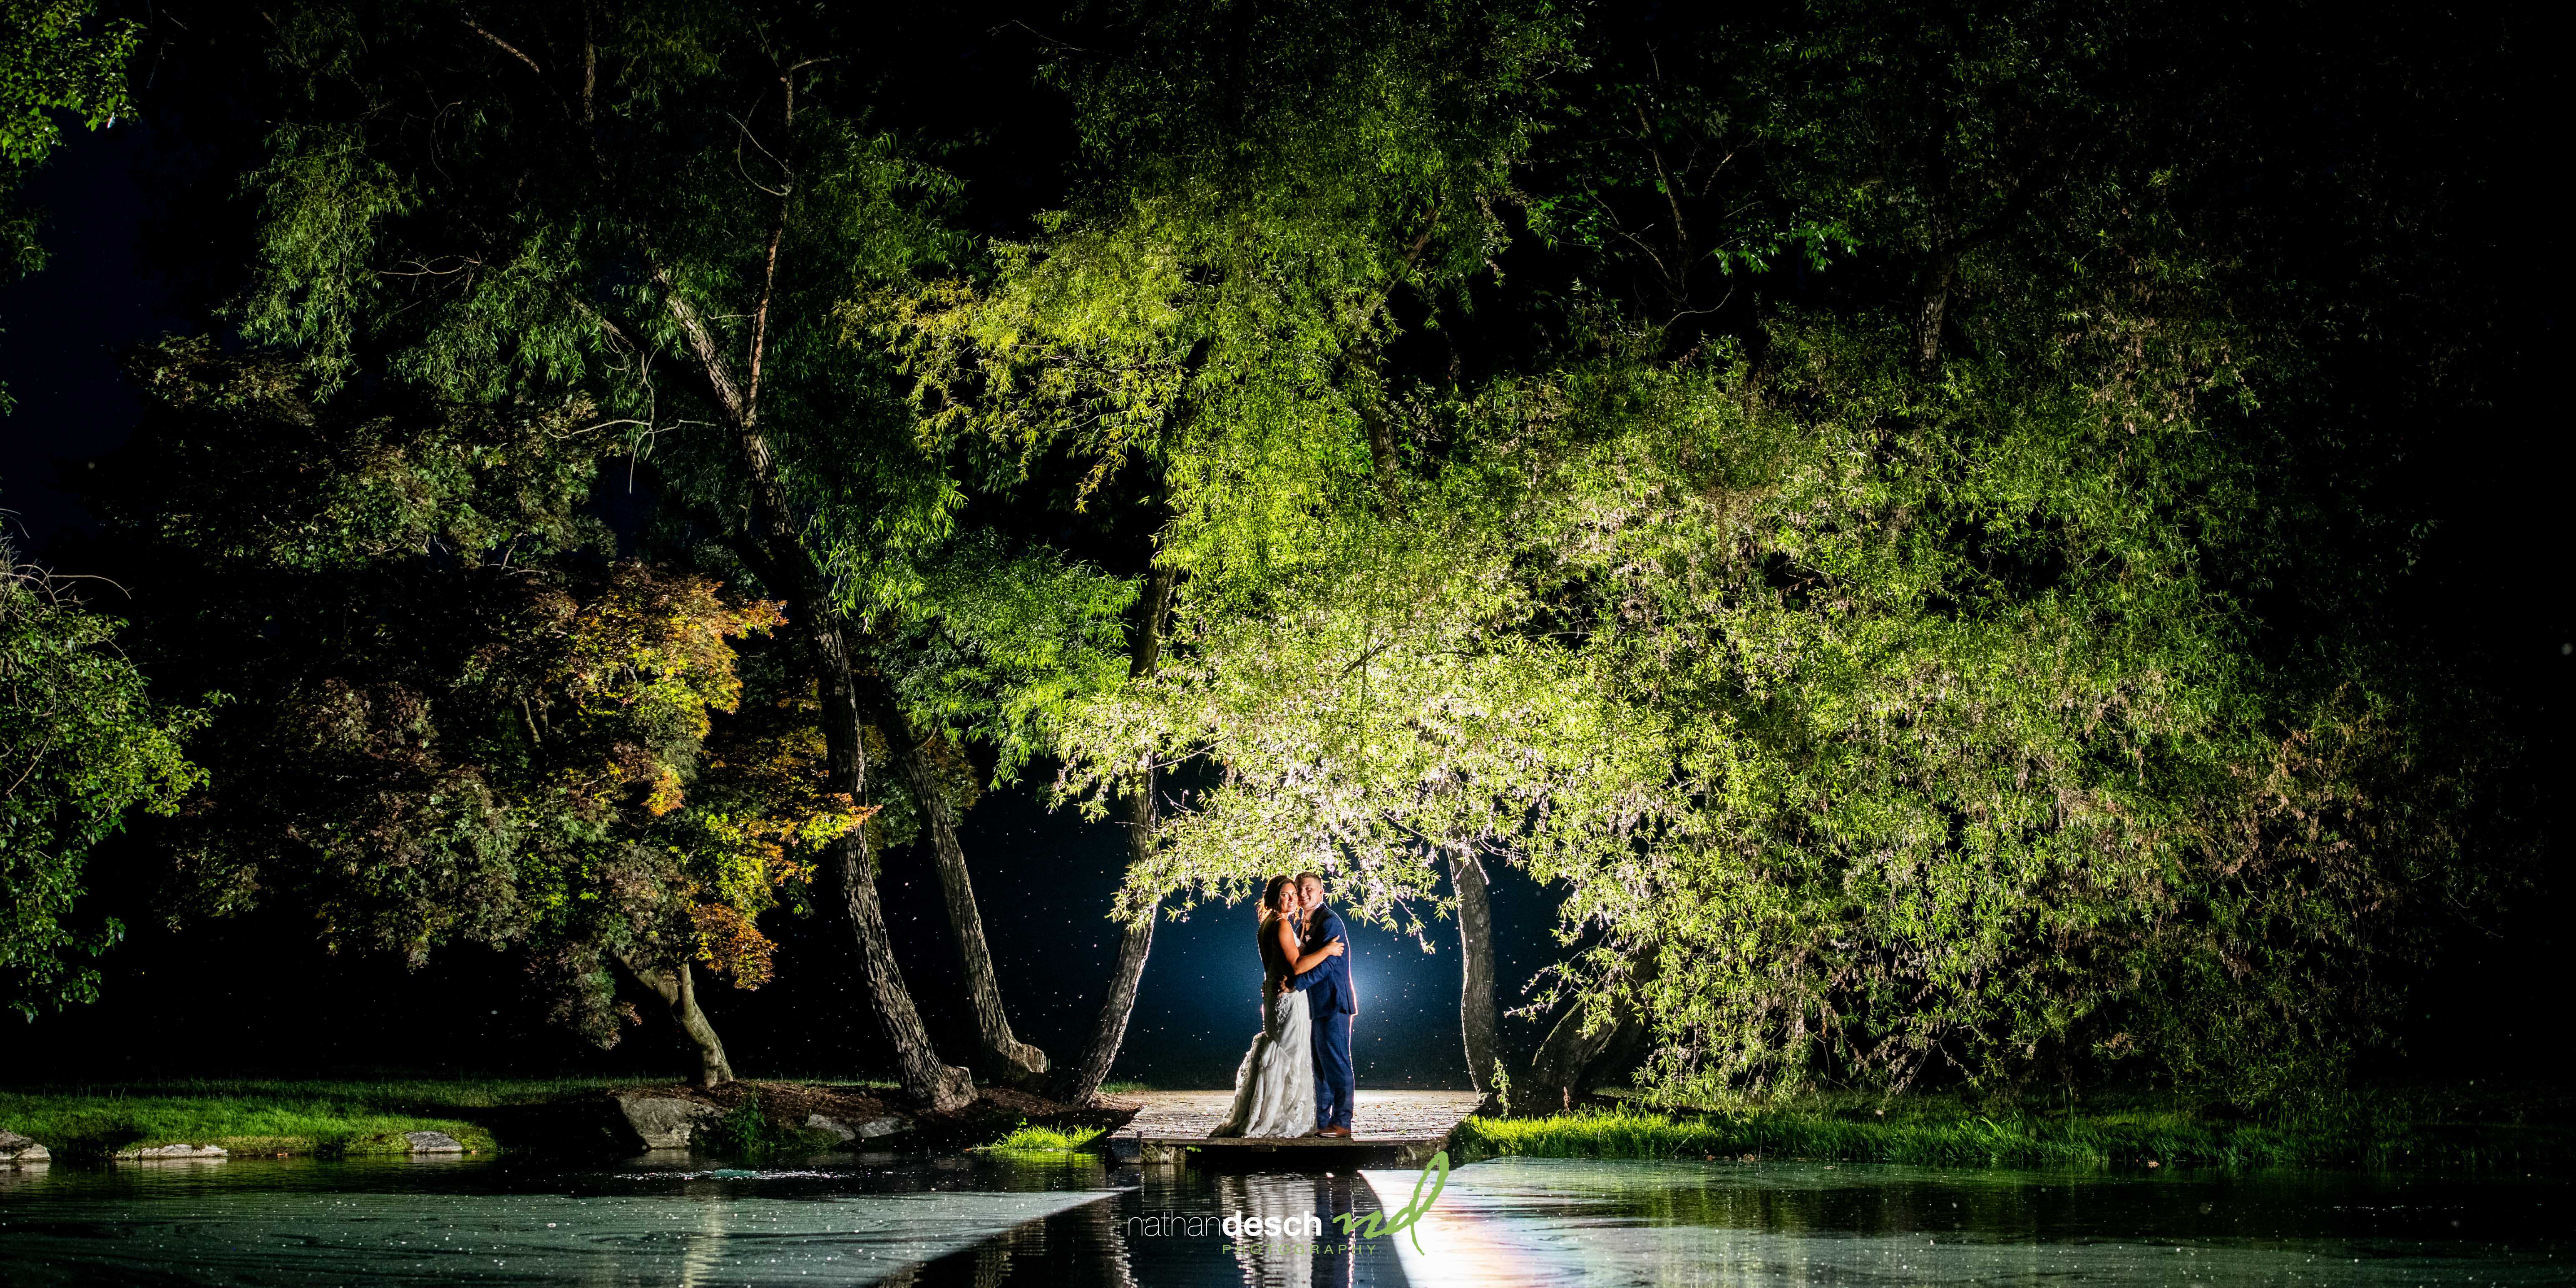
[1296,1080]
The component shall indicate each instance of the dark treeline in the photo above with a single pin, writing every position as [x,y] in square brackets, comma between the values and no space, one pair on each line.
[1932,535]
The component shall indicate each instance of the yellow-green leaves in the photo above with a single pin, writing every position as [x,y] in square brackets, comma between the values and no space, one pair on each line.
[54,59]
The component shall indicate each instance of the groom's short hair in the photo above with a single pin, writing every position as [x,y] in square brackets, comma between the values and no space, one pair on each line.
[1304,877]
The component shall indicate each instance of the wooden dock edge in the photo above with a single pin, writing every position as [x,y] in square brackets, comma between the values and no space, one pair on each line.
[1398,1128]
[1293,1154]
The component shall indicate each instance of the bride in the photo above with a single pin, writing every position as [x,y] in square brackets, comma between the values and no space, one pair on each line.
[1274,1089]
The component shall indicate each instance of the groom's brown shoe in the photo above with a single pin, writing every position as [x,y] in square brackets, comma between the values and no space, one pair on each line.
[1342,1132]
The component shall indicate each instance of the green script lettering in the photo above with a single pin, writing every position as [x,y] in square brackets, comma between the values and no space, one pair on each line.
[1378,1224]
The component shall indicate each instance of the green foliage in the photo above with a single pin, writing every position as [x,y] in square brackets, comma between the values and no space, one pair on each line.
[311,1119]
[81,743]
[1216,300]
[745,1131]
[460,717]
[574,204]
[1889,512]
[2434,1129]
[1005,642]
[600,222]
[51,62]
[1025,1139]
[253,464]
[1950,673]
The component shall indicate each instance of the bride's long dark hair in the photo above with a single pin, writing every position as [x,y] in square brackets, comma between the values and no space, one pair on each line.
[1270,897]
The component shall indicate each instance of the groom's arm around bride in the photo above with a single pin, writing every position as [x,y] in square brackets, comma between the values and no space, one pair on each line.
[1331,1002]
[1328,985]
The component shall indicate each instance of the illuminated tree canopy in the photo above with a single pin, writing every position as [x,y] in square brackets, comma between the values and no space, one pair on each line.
[1891,516]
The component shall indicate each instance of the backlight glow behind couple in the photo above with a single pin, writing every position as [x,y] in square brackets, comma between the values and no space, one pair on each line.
[1297,1080]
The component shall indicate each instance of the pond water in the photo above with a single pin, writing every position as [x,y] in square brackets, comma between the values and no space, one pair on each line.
[990,1222]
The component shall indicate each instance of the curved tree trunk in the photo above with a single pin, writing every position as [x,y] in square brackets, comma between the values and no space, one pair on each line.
[788,568]
[1557,1071]
[937,1085]
[1082,1080]
[1476,1018]
[1004,1056]
[1109,1033]
[677,988]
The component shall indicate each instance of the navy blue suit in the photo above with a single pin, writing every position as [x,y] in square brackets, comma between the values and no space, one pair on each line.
[1330,1003]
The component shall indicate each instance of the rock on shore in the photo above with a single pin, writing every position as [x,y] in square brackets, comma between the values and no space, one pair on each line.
[864,1129]
[666,1122]
[16,1149]
[157,1152]
[431,1142]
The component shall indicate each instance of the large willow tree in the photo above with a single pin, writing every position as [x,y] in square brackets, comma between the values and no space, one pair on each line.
[1835,494]
[1205,334]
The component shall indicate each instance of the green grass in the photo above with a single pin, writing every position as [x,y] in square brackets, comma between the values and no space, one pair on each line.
[2433,1128]
[1048,1140]
[282,1120]
[329,1117]
[1126,1087]
[341,1117]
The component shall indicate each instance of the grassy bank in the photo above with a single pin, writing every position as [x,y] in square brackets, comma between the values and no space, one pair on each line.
[332,1117]
[2429,1128]
[352,1117]
[325,1119]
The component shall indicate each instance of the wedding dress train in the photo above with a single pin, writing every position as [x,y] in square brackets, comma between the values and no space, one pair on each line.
[1274,1088]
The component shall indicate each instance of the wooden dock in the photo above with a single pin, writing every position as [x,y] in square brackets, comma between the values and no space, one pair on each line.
[1390,1128]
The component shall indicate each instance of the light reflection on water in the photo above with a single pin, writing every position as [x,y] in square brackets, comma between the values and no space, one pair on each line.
[1682,1225]
[992,1222]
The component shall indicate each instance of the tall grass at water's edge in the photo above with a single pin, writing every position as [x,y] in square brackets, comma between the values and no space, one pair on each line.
[1026,1139]
[2372,1131]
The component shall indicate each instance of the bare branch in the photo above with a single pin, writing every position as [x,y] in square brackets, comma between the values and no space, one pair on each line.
[506,46]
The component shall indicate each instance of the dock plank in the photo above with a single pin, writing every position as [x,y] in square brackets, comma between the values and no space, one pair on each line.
[1401,1124]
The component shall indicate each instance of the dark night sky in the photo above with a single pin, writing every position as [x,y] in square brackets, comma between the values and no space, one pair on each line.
[66,326]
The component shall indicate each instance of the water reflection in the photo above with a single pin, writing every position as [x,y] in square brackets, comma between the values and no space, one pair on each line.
[998,1223]
[1677,1225]
[1308,1248]
[300,1222]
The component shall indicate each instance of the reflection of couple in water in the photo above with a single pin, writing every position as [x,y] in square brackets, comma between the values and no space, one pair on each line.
[1296,1080]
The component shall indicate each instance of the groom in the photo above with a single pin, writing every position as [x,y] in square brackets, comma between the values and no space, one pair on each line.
[1330,1003]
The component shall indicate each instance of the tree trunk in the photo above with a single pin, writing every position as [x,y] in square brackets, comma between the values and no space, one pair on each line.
[1004,1056]
[677,988]
[1476,1018]
[792,573]
[1927,320]
[1568,1053]
[937,1085]
[1556,1071]
[1082,1081]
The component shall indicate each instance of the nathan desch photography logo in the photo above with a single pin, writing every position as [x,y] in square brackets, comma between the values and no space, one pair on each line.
[1278,1233]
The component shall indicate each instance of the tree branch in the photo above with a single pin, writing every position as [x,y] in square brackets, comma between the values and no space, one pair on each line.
[506,46]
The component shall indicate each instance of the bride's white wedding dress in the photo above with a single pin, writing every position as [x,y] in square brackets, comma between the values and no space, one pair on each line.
[1274,1088]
